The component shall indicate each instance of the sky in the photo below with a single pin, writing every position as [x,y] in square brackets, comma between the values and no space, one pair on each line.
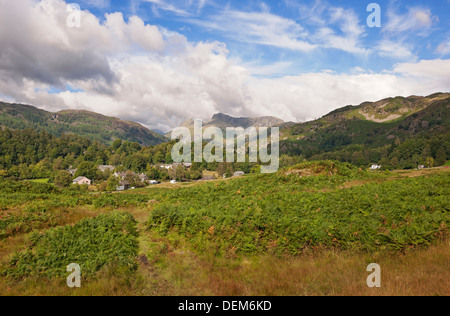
[161,62]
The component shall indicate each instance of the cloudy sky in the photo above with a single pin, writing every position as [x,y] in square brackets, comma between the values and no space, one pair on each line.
[160,62]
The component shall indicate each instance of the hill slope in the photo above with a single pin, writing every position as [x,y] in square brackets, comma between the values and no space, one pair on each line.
[372,124]
[84,123]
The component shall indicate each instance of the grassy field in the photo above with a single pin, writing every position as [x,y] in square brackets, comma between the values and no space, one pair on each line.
[310,230]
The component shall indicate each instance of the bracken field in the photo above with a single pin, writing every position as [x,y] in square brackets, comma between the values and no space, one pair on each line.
[311,229]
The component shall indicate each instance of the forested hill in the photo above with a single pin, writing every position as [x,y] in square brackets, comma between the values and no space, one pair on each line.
[365,133]
[83,123]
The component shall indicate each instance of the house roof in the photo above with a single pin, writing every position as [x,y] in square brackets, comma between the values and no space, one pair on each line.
[105,167]
[80,178]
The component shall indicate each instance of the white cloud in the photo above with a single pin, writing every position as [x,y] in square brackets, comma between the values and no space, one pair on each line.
[97,3]
[400,32]
[178,7]
[332,27]
[269,29]
[418,20]
[395,50]
[350,27]
[309,96]
[162,5]
[437,70]
[201,5]
[143,73]
[261,28]
[269,70]
[444,48]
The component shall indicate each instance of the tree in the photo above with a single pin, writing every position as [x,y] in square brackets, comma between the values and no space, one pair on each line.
[394,162]
[430,162]
[112,184]
[3,173]
[159,158]
[116,144]
[63,179]
[87,169]
[168,157]
[416,159]
[221,169]
[153,174]
[58,164]
[228,173]
[69,160]
[102,186]
[358,158]
[441,156]
[132,179]
[426,152]
[179,173]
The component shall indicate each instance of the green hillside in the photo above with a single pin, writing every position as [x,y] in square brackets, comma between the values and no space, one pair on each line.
[83,123]
[370,125]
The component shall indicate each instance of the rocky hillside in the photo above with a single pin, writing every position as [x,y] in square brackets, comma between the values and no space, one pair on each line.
[372,124]
[223,121]
[84,123]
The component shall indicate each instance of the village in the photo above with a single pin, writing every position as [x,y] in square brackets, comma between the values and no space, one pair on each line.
[127,180]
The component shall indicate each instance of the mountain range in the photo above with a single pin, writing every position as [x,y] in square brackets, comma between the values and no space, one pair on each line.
[84,123]
[372,124]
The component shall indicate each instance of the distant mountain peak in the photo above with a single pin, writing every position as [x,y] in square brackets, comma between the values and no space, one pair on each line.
[222,121]
[263,121]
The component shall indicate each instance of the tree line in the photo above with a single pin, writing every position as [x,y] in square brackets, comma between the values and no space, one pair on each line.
[31,154]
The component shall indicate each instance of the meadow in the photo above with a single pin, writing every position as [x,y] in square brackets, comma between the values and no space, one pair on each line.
[311,229]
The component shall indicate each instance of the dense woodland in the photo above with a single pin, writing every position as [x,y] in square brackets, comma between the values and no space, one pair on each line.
[28,154]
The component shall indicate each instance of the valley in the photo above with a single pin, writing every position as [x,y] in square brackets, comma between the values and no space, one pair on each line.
[313,236]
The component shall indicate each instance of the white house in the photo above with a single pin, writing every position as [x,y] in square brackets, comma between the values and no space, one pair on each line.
[123,186]
[120,175]
[143,178]
[375,167]
[82,180]
[104,168]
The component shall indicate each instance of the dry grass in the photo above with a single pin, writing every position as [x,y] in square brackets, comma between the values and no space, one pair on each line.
[179,271]
[167,266]
[109,282]
[422,172]
[423,272]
